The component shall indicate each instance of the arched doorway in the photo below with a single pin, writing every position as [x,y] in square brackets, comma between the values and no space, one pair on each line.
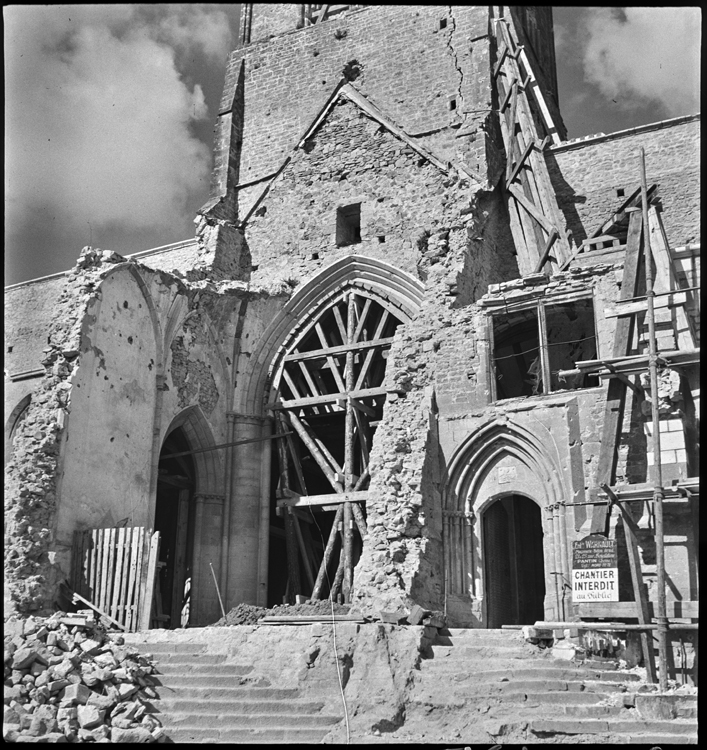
[174,519]
[514,570]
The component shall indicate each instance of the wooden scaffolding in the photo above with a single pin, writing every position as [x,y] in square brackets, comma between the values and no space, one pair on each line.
[329,398]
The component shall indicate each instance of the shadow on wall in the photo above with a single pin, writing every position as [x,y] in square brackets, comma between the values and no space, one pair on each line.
[567,199]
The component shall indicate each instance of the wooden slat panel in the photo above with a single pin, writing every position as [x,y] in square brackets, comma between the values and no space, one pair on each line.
[93,566]
[147,578]
[118,571]
[125,568]
[133,595]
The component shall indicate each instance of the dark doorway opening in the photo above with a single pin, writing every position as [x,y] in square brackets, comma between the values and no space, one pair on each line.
[174,519]
[513,562]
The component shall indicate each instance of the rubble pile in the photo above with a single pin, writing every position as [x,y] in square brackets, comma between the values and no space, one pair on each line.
[247,614]
[68,679]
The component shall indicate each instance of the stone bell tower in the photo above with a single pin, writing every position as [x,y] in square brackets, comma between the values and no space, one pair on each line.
[431,69]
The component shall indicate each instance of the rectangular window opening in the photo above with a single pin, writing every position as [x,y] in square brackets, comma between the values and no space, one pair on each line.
[348,225]
[532,346]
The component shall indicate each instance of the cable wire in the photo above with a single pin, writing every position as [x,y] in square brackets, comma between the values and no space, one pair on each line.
[333,628]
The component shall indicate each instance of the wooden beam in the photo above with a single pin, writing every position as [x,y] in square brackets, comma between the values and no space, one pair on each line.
[640,595]
[360,520]
[616,391]
[328,398]
[629,307]
[531,208]
[328,551]
[317,454]
[152,548]
[293,577]
[501,60]
[336,498]
[302,548]
[369,356]
[666,279]
[554,234]
[362,319]
[512,129]
[519,164]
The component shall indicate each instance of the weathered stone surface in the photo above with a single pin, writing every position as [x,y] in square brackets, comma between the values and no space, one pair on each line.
[75,694]
[138,734]
[90,716]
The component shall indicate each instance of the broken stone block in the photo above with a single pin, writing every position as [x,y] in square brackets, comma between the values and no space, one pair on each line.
[533,634]
[101,701]
[61,670]
[125,690]
[75,694]
[90,716]
[565,650]
[10,732]
[10,716]
[23,658]
[54,686]
[90,646]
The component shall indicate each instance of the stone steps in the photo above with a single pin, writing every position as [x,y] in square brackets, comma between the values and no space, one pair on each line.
[677,728]
[279,735]
[225,721]
[207,697]
[242,707]
[196,670]
[499,675]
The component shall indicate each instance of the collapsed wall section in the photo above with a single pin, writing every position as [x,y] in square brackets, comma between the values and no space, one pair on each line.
[31,573]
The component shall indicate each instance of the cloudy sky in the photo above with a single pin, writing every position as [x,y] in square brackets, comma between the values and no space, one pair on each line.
[110,112]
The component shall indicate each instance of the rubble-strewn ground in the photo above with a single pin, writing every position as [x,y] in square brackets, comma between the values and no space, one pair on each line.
[247,614]
[68,679]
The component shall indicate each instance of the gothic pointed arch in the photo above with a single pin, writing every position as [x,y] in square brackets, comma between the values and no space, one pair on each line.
[397,287]
[501,463]
[208,463]
[320,373]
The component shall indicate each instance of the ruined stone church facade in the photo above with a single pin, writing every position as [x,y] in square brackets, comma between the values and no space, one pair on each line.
[392,367]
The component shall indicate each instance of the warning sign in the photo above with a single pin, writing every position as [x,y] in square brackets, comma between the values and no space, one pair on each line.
[595,572]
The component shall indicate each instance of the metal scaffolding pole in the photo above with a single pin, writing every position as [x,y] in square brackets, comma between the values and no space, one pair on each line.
[657,475]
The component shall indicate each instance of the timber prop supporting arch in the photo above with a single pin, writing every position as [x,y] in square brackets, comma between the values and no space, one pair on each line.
[500,460]
[324,392]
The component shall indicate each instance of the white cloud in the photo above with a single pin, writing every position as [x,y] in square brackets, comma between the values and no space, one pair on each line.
[99,115]
[642,55]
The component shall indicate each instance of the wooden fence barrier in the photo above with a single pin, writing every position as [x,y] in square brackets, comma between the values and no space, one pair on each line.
[114,569]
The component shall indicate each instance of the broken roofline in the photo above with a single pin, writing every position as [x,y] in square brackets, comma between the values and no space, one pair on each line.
[601,137]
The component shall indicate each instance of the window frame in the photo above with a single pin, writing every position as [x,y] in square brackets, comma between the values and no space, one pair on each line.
[539,304]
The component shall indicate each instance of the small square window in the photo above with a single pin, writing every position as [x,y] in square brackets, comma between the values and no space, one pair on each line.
[348,225]
[443,23]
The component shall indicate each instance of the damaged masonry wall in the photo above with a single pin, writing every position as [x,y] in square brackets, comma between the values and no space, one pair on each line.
[144,350]
[135,351]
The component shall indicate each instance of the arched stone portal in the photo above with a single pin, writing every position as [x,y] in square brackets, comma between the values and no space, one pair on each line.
[351,300]
[504,529]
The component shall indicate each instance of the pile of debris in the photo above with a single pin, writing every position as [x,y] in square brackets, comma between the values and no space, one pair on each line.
[68,679]
[247,614]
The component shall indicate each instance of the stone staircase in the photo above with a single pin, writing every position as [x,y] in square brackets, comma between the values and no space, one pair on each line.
[515,691]
[209,697]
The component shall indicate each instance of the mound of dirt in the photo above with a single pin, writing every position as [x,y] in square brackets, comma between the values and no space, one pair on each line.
[247,614]
[243,614]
